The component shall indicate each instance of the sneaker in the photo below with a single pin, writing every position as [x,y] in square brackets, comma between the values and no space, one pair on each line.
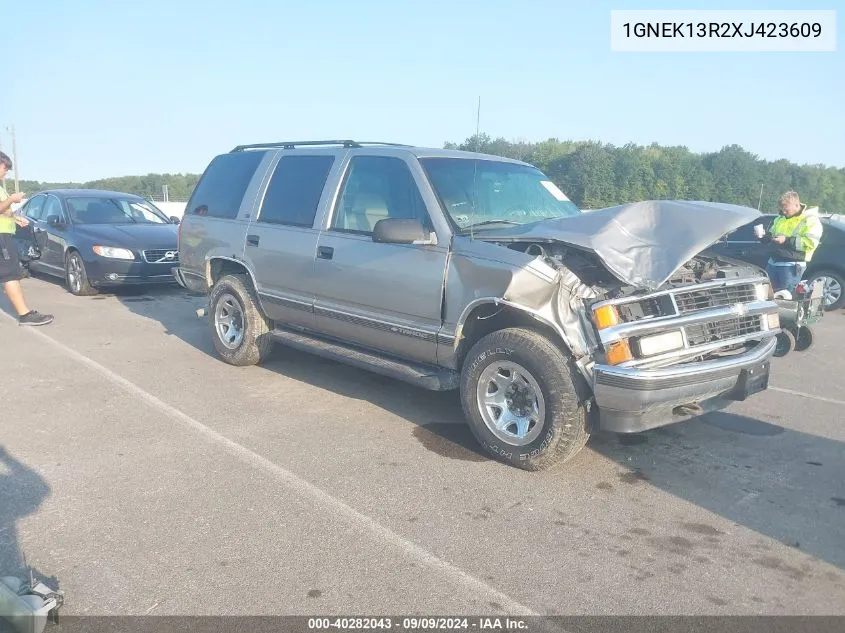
[35,318]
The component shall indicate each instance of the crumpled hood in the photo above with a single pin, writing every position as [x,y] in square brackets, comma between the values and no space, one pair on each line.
[641,243]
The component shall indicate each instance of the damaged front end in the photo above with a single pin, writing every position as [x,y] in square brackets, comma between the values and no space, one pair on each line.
[662,351]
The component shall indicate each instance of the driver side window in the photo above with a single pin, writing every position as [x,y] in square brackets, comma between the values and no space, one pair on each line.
[34,208]
[376,188]
[52,207]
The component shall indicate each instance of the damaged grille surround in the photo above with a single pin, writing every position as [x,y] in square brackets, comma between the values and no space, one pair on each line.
[710,318]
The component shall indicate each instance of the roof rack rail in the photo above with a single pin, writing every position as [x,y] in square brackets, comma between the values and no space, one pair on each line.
[294,144]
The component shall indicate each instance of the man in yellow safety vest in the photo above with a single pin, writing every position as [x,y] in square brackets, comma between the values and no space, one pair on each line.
[795,235]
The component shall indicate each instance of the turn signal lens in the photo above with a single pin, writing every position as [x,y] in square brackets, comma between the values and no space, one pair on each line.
[618,352]
[606,316]
[774,320]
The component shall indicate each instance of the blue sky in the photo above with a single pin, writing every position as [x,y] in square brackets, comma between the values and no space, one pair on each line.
[98,89]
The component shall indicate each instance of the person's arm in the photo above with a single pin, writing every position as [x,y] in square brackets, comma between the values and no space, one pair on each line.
[6,205]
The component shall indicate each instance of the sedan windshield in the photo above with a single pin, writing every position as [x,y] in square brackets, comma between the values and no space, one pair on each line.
[114,211]
[493,194]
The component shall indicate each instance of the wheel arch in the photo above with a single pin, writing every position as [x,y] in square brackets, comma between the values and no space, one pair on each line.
[483,316]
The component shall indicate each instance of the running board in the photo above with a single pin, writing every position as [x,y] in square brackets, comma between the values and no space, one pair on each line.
[428,377]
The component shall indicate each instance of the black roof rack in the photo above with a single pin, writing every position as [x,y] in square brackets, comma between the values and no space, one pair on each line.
[294,144]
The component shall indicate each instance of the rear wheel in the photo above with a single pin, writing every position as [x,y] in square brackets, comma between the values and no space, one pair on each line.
[833,283]
[523,399]
[76,276]
[239,330]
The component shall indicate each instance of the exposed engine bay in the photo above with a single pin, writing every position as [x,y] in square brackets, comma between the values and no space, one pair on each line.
[592,272]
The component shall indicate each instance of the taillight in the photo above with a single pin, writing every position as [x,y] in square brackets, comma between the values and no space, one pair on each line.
[179,234]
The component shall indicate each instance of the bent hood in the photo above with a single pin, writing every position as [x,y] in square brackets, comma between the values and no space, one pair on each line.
[133,236]
[641,243]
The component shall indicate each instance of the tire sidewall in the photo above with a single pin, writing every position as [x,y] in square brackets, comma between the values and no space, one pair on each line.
[477,361]
[84,285]
[245,352]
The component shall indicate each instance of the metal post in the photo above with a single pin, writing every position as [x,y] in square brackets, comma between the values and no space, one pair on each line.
[15,158]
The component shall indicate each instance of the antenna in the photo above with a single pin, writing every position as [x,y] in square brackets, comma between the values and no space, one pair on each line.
[475,170]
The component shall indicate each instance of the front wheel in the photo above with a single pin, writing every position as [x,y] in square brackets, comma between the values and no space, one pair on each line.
[76,276]
[804,339]
[238,328]
[523,399]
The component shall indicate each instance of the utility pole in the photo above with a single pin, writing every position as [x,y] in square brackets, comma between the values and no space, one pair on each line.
[11,131]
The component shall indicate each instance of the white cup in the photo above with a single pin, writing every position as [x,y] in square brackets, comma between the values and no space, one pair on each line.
[759,230]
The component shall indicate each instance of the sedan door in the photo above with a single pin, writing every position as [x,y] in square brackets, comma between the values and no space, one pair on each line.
[383,296]
[55,222]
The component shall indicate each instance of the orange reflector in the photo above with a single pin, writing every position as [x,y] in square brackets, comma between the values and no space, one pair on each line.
[606,316]
[618,352]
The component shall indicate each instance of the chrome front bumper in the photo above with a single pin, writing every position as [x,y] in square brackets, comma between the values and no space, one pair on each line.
[632,400]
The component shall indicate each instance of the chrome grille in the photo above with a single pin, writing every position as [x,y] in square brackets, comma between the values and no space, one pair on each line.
[159,256]
[694,300]
[702,333]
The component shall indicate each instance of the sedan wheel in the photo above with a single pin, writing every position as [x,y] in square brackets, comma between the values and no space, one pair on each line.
[833,288]
[77,276]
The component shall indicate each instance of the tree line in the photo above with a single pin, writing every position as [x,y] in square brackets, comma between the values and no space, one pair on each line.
[596,175]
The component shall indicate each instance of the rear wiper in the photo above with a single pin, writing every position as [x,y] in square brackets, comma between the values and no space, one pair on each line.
[489,222]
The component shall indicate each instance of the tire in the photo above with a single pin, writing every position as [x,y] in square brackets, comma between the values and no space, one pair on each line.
[249,343]
[804,339]
[561,430]
[76,276]
[834,285]
[785,343]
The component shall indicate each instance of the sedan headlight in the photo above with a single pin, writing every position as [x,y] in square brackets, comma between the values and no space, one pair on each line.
[660,343]
[113,252]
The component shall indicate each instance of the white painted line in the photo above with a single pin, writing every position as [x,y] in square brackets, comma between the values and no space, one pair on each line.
[810,396]
[294,482]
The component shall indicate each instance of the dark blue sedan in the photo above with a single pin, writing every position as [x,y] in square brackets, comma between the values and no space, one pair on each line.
[97,239]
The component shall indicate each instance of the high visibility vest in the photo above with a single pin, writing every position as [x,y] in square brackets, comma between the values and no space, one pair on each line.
[805,228]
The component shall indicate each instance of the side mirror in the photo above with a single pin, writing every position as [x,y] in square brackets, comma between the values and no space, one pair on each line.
[402,231]
[174,219]
[54,220]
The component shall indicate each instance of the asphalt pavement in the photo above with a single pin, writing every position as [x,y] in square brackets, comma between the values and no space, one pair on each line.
[144,476]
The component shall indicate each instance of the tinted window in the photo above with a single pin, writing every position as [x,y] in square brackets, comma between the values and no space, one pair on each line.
[52,206]
[378,187]
[295,189]
[34,208]
[222,186]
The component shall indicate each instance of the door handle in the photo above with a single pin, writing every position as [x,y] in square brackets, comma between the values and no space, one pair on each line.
[252,240]
[325,252]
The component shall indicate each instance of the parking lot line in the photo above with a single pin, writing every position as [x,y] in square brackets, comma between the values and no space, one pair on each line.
[294,482]
[808,395]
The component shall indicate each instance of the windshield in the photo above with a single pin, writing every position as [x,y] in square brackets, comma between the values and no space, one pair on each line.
[114,211]
[487,192]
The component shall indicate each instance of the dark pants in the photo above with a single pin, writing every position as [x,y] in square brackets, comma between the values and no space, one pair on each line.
[785,277]
[10,264]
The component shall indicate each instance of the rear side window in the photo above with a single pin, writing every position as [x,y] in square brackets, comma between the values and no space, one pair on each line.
[222,186]
[295,189]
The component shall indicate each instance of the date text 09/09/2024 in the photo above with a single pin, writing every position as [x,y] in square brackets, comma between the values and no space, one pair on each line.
[418,624]
[722,29]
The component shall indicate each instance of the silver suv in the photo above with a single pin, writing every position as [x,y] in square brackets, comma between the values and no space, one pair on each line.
[455,270]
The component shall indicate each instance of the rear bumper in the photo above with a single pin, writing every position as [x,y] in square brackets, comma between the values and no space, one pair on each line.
[631,400]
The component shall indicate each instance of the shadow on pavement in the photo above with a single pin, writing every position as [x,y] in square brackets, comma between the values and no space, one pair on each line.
[22,490]
[748,471]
